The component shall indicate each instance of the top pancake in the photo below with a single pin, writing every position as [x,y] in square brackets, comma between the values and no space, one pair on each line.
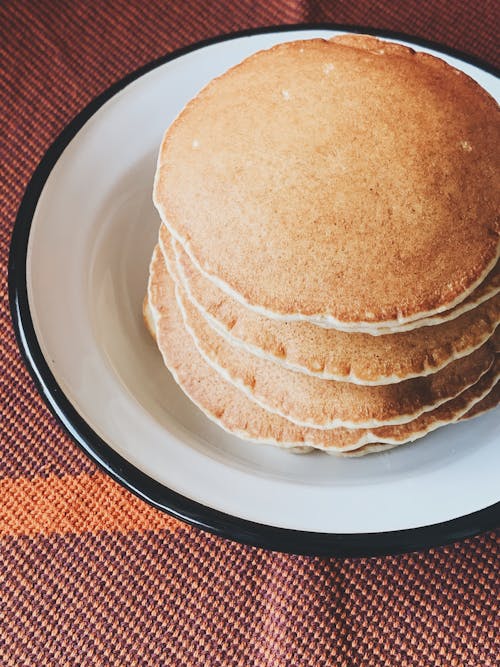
[338,183]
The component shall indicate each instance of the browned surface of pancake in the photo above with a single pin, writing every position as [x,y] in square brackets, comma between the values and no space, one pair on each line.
[227,406]
[489,288]
[331,403]
[233,411]
[456,409]
[332,354]
[311,401]
[213,299]
[343,183]
[492,400]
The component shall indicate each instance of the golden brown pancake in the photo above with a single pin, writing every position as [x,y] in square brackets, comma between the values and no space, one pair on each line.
[490,401]
[233,411]
[311,401]
[488,289]
[202,290]
[327,353]
[344,182]
[453,408]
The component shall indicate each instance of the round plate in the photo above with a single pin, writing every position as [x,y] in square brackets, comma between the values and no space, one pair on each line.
[78,271]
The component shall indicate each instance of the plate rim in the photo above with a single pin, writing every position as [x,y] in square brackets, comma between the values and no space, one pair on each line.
[158,495]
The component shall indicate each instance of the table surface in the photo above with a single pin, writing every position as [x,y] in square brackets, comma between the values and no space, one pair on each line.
[90,575]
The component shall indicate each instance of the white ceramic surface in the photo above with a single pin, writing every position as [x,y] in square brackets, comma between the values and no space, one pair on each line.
[91,240]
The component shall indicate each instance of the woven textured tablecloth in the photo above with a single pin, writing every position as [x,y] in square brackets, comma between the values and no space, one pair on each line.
[90,575]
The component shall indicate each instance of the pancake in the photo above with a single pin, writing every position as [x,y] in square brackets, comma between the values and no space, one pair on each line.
[488,289]
[212,300]
[235,413]
[454,408]
[342,184]
[208,296]
[311,401]
[327,353]
[490,401]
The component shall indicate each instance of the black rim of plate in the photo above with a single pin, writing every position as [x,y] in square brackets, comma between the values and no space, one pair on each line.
[145,487]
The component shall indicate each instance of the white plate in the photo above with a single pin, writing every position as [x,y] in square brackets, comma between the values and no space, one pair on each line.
[78,271]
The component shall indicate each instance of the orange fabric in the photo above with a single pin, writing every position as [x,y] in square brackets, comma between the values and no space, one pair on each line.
[74,504]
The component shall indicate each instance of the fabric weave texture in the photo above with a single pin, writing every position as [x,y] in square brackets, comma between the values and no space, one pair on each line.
[89,574]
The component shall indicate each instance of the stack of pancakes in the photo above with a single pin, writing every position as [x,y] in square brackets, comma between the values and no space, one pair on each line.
[326,274]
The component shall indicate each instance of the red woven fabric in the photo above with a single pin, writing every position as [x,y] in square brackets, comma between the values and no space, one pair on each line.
[92,576]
